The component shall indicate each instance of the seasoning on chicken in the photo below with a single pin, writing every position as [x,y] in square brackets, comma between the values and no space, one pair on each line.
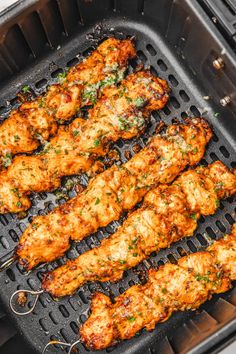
[113,192]
[38,119]
[180,287]
[121,113]
[168,214]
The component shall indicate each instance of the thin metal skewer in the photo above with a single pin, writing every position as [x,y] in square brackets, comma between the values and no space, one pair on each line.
[6,261]
[31,292]
[53,342]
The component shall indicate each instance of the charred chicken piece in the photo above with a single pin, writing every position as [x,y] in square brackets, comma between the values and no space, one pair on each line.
[168,214]
[37,120]
[113,192]
[122,112]
[180,287]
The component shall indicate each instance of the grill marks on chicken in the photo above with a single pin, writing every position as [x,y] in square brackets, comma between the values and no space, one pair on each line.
[121,113]
[180,287]
[112,192]
[168,214]
[38,119]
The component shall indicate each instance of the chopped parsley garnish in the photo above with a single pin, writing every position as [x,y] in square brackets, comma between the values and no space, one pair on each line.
[217,203]
[219,186]
[97,201]
[97,142]
[193,216]
[90,94]
[26,89]
[41,102]
[19,204]
[6,159]
[16,191]
[139,101]
[76,132]
[16,138]
[61,76]
[122,261]
[131,319]
[110,80]
[202,277]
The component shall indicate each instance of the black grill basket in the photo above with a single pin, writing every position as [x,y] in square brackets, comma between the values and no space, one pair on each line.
[179,40]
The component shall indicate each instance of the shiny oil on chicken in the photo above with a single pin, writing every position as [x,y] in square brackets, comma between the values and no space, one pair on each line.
[168,214]
[114,191]
[122,112]
[174,287]
[38,119]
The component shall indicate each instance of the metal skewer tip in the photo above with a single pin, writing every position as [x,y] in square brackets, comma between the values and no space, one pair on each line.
[31,292]
[54,342]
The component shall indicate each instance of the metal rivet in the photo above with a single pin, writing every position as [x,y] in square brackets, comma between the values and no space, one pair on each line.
[225,100]
[218,63]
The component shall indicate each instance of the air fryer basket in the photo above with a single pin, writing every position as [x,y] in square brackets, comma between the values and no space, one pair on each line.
[177,41]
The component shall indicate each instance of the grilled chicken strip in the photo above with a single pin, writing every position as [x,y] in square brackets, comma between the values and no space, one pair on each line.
[113,192]
[171,288]
[121,113]
[168,214]
[38,119]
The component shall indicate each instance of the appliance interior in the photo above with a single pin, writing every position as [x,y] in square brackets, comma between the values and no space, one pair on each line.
[176,40]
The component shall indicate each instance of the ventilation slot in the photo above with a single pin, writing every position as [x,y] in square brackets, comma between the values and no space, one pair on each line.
[211,233]
[151,50]
[174,82]
[142,56]
[41,84]
[184,96]
[224,152]
[162,65]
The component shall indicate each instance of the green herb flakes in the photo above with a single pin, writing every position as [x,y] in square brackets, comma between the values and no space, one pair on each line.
[26,89]
[97,142]
[97,201]
[19,204]
[131,319]
[193,216]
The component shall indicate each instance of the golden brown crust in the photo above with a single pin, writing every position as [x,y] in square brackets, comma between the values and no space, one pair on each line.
[21,131]
[112,192]
[165,217]
[180,287]
[122,112]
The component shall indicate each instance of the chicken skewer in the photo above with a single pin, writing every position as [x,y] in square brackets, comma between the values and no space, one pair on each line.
[168,214]
[113,192]
[121,113]
[38,119]
[171,288]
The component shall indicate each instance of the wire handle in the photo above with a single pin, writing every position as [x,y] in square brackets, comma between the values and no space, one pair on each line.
[31,292]
[53,342]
